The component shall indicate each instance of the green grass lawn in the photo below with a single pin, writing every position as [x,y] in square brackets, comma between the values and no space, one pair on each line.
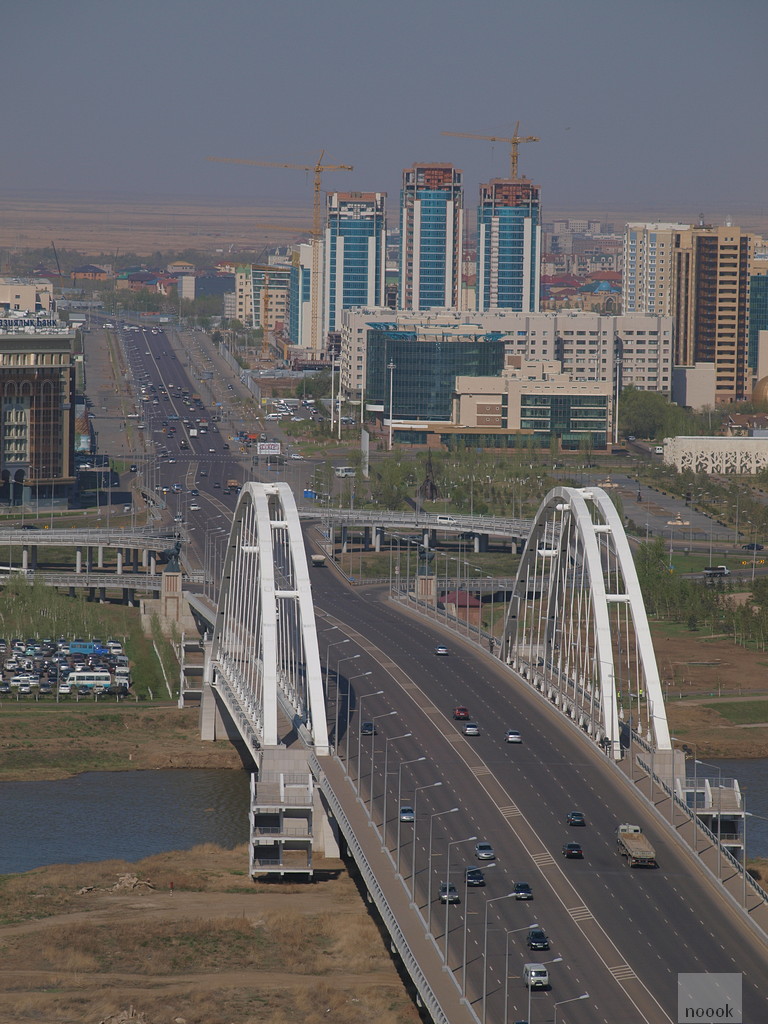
[746,712]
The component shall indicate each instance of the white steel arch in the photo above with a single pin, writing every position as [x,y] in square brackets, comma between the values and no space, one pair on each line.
[264,654]
[576,626]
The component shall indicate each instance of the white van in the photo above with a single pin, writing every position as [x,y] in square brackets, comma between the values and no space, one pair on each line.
[659,449]
[344,471]
[535,976]
[446,520]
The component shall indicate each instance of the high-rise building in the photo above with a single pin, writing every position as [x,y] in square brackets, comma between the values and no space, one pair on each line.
[355,253]
[431,237]
[712,269]
[509,242]
[304,301]
[648,260]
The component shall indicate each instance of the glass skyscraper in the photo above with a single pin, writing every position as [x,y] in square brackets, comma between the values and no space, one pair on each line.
[509,240]
[355,253]
[431,237]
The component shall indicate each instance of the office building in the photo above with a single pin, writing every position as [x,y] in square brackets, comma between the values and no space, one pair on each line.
[712,269]
[355,253]
[305,314]
[37,387]
[509,242]
[431,237]
[648,267]
[25,295]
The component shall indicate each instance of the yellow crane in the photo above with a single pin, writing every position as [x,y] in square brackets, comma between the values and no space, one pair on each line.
[514,144]
[317,171]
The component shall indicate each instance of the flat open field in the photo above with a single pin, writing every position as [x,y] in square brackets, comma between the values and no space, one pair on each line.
[143,226]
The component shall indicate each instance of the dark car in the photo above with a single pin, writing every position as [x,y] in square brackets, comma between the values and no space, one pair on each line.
[134,468]
[575,818]
[572,851]
[751,547]
[537,939]
[368,729]
[474,877]
[449,893]
[522,891]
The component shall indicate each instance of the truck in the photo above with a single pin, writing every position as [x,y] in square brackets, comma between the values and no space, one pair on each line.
[318,561]
[717,570]
[193,431]
[635,846]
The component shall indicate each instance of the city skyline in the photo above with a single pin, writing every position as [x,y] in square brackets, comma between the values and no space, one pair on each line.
[650,107]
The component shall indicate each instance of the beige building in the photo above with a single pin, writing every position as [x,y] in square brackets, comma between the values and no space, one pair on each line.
[261,296]
[25,295]
[647,285]
[536,397]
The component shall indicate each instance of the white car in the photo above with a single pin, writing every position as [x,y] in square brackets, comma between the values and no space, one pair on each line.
[295,455]
[512,736]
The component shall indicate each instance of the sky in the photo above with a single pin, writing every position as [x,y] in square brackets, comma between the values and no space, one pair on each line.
[657,105]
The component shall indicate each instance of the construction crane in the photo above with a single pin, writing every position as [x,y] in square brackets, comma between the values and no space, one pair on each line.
[514,144]
[317,170]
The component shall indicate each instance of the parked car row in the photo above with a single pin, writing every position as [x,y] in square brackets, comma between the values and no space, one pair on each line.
[41,667]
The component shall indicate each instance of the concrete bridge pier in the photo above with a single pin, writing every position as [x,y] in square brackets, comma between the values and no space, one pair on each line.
[100,556]
[366,538]
[25,557]
[344,539]
[482,541]
[119,561]
[153,564]
[144,558]
[378,538]
[78,560]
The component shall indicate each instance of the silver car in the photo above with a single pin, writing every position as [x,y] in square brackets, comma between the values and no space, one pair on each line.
[484,851]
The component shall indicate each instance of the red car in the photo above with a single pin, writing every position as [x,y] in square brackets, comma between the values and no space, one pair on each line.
[461,714]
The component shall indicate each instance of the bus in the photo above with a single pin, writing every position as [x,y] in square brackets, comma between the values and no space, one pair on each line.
[92,678]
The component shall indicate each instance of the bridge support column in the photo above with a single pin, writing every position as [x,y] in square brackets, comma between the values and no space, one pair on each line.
[378,537]
[79,560]
[25,557]
[481,542]
[152,564]
[100,556]
[428,538]
[367,538]
[144,558]
[344,540]
[119,562]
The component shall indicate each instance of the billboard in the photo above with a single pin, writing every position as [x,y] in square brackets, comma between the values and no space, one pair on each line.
[268,448]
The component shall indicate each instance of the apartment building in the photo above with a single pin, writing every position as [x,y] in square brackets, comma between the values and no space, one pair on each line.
[355,253]
[509,245]
[431,237]
[648,284]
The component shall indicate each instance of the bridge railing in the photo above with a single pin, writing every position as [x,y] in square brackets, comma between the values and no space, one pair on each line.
[378,896]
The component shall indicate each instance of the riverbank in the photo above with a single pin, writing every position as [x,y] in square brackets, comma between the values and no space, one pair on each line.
[188,937]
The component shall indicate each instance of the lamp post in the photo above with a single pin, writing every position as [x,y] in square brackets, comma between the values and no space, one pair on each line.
[417,790]
[719,815]
[512,931]
[495,899]
[327,682]
[391,368]
[456,842]
[399,800]
[432,817]
[361,675]
[557,960]
[405,736]
[573,999]
[374,718]
[365,696]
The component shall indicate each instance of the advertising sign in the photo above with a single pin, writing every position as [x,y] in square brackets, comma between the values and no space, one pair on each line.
[268,448]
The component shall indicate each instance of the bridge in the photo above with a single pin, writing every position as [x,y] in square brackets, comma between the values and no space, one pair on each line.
[576,639]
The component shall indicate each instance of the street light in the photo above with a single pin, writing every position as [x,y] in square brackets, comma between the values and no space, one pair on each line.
[456,842]
[495,899]
[573,999]
[374,718]
[399,800]
[392,739]
[557,960]
[432,817]
[391,368]
[719,815]
[361,675]
[417,790]
[512,931]
[376,693]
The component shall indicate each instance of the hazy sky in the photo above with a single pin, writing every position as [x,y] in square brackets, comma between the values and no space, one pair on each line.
[655,104]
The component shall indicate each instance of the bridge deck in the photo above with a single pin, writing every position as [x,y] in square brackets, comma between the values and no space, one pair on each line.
[389,894]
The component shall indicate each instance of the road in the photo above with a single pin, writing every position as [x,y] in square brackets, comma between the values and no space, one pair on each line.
[623,934]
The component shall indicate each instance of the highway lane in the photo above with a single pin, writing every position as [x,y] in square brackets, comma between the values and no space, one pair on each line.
[661,921]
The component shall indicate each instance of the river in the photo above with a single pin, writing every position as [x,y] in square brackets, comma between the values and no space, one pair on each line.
[125,815]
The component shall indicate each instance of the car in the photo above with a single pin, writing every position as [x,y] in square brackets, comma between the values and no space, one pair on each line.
[522,891]
[216,485]
[461,714]
[471,729]
[572,851]
[441,649]
[407,814]
[203,472]
[211,451]
[194,492]
[194,507]
[512,736]
[537,939]
[368,729]
[575,818]
[751,547]
[449,893]
[225,447]
[5,688]
[474,877]
[134,468]
[178,518]
[484,851]
[295,455]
